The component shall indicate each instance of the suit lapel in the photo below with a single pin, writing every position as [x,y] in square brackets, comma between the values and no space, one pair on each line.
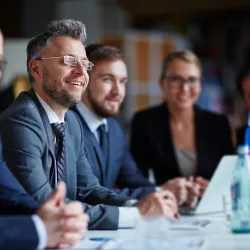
[167,141]
[93,141]
[46,123]
[49,134]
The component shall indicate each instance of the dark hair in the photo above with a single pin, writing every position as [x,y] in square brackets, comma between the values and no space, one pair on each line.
[64,27]
[184,55]
[99,52]
[240,77]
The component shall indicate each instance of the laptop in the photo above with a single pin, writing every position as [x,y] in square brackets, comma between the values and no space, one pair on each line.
[219,186]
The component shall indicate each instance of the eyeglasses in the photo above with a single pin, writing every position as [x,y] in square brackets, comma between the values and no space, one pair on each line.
[3,64]
[178,81]
[71,61]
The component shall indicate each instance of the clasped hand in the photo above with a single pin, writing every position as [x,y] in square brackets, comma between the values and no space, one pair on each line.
[187,190]
[65,223]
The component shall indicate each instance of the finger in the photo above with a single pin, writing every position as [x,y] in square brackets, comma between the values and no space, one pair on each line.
[57,197]
[73,209]
[192,202]
[202,181]
[190,178]
[76,224]
[171,205]
[183,196]
[70,238]
[168,195]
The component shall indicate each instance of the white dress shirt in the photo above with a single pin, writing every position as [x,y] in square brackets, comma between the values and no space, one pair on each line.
[127,215]
[41,231]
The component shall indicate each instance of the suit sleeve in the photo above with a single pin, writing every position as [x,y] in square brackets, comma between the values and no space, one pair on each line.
[89,188]
[139,144]
[13,233]
[13,197]
[131,181]
[23,150]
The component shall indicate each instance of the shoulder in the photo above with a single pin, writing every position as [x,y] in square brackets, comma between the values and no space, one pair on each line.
[150,113]
[23,109]
[212,118]
[115,126]
[73,120]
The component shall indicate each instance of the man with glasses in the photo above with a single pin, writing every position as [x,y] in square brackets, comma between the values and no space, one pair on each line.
[44,141]
[53,225]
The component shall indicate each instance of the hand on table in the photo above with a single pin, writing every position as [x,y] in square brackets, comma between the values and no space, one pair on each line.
[65,224]
[203,183]
[162,203]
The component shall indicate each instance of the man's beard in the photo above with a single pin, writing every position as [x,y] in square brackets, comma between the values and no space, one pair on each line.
[61,97]
[98,108]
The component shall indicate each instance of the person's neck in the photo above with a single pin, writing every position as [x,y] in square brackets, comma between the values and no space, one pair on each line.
[57,108]
[87,103]
[180,116]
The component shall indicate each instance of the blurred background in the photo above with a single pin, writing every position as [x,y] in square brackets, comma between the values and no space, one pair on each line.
[145,30]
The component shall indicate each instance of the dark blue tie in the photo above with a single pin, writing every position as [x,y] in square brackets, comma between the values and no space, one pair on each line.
[103,137]
[59,132]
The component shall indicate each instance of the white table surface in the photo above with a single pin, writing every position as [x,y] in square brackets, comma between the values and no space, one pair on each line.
[217,235]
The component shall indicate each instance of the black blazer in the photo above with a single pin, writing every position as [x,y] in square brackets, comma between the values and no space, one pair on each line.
[152,144]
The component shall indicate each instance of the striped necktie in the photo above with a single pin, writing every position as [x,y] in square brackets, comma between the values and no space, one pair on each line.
[59,132]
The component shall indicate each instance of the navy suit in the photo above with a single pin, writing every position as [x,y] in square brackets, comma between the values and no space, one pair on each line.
[14,200]
[18,232]
[152,144]
[13,197]
[120,169]
[29,152]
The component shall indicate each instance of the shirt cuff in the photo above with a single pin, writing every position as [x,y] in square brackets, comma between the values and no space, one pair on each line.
[131,203]
[128,217]
[158,189]
[41,231]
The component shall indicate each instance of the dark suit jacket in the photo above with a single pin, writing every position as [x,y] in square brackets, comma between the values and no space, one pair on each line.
[18,232]
[152,144]
[29,152]
[120,168]
[13,198]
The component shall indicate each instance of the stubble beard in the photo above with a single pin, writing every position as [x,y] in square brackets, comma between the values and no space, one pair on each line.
[61,97]
[98,108]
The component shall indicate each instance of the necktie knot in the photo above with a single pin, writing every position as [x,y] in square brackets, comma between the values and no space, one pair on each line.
[58,129]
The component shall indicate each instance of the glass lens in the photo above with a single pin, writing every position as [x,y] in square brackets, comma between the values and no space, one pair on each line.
[70,60]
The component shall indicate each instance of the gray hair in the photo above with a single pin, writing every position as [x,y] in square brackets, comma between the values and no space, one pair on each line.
[64,27]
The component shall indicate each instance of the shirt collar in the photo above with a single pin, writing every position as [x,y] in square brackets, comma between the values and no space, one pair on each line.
[53,118]
[91,119]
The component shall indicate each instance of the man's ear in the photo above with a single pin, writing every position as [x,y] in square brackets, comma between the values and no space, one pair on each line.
[34,66]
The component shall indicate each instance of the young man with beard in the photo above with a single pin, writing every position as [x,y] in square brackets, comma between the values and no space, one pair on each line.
[44,142]
[106,145]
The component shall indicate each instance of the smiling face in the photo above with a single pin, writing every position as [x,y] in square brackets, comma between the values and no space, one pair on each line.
[107,87]
[182,96]
[56,82]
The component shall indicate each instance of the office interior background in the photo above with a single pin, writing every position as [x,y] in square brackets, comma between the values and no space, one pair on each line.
[146,31]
